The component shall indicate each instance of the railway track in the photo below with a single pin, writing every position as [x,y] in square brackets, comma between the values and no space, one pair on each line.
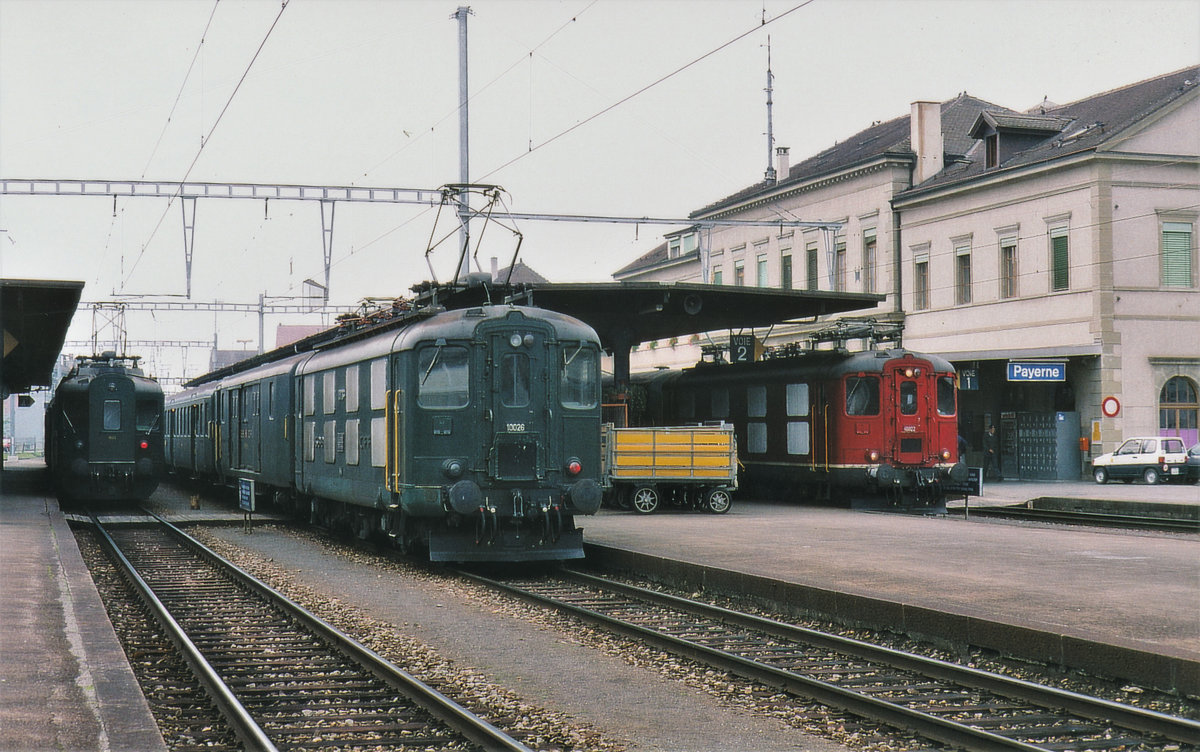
[941,701]
[1095,519]
[281,677]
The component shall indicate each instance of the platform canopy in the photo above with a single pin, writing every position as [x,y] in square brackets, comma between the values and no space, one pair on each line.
[629,313]
[34,316]
[626,314]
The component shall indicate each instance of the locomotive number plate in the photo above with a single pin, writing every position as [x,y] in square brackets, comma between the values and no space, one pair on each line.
[516,428]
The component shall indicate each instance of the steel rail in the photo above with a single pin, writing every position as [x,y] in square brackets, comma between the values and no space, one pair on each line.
[926,724]
[476,729]
[243,724]
[1126,716]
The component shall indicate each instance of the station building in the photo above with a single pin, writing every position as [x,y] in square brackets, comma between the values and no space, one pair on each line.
[1050,254]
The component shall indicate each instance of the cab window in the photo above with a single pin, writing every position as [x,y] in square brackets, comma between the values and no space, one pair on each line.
[577,385]
[945,395]
[862,395]
[514,380]
[112,415]
[908,398]
[443,377]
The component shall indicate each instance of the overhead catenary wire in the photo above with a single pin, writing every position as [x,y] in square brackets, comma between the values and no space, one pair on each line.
[204,142]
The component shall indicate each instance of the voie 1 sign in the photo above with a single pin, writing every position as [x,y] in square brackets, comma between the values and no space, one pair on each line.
[1036,371]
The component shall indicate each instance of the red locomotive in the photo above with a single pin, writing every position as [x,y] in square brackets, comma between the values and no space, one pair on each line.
[875,428]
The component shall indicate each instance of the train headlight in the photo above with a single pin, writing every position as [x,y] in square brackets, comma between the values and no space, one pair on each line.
[515,339]
[452,468]
[873,456]
[945,455]
[574,466]
[79,443]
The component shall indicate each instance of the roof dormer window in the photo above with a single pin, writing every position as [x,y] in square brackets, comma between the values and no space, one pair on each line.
[991,145]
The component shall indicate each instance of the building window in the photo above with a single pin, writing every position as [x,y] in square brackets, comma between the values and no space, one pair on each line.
[839,264]
[689,243]
[991,146]
[785,272]
[717,277]
[810,256]
[673,248]
[762,271]
[1060,260]
[1178,411]
[868,260]
[962,274]
[739,273]
[921,282]
[1008,268]
[1177,254]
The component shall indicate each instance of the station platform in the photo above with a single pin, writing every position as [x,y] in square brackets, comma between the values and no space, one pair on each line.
[65,683]
[1124,601]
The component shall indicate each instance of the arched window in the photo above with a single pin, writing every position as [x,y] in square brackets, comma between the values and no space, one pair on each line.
[1178,409]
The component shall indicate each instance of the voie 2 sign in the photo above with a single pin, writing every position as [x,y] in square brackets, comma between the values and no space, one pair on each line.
[1036,371]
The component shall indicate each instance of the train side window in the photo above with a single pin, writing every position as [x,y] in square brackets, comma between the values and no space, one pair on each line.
[756,404]
[352,389]
[720,403]
[443,377]
[756,438]
[908,398]
[577,385]
[862,395]
[798,437]
[687,405]
[310,441]
[378,383]
[945,395]
[378,441]
[797,400]
[328,392]
[352,442]
[310,395]
[112,415]
[514,380]
[330,441]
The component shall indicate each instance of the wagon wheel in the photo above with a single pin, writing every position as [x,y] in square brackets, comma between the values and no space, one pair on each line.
[717,500]
[644,499]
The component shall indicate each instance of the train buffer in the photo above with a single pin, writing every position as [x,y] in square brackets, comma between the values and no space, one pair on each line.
[686,466]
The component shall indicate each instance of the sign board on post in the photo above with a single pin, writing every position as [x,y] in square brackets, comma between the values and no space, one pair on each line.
[1036,371]
[246,494]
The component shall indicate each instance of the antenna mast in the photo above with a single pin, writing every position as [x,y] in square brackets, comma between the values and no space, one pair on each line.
[770,173]
[464,173]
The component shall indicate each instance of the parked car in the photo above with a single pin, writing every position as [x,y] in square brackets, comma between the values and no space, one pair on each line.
[1193,464]
[1154,459]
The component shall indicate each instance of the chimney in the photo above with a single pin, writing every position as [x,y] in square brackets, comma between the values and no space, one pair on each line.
[781,160]
[926,136]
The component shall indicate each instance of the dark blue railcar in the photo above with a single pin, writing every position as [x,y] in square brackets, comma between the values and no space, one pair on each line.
[104,432]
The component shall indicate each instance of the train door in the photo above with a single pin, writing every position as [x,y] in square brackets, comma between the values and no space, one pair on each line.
[518,387]
[111,420]
[234,421]
[250,434]
[394,462]
[907,396]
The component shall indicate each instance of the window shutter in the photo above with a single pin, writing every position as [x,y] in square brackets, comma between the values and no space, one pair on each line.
[1177,254]
[1061,262]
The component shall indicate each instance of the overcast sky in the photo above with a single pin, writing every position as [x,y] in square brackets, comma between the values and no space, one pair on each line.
[357,92]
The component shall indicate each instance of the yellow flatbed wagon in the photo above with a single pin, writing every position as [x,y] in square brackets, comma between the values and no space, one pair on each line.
[690,466]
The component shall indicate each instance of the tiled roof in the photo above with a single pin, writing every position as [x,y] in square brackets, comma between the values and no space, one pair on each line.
[868,145]
[1087,125]
[655,256]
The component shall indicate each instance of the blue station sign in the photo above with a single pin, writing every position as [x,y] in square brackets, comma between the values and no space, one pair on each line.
[1037,370]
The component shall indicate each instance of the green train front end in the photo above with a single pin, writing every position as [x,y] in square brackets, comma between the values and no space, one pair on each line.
[473,434]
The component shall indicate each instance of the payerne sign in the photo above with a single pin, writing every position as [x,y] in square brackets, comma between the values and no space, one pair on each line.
[1036,371]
